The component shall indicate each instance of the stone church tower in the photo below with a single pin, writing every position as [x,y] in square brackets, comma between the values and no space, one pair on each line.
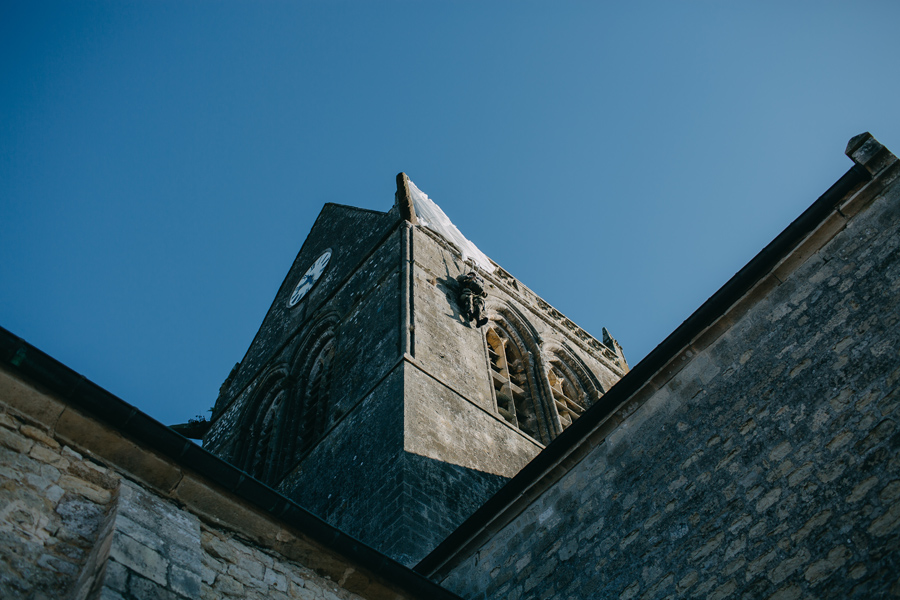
[369,398]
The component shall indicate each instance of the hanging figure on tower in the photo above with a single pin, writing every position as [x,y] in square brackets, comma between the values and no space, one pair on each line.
[471,298]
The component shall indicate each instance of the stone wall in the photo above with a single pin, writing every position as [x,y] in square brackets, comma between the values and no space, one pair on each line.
[72,527]
[452,414]
[348,251]
[766,468]
[53,504]
[353,479]
[359,288]
[459,450]
[232,567]
[454,351]
[350,477]
[86,512]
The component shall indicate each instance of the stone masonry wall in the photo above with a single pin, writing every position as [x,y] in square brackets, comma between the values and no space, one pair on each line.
[414,443]
[232,568]
[767,468]
[53,503]
[454,351]
[365,300]
[458,449]
[73,527]
[353,478]
[152,549]
[350,477]
[437,496]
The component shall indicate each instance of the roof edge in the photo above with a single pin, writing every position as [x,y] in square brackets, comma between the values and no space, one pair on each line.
[356,208]
[779,258]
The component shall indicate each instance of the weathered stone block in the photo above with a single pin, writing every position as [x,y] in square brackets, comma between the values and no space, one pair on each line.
[85,488]
[218,507]
[15,441]
[185,582]
[822,569]
[82,431]
[15,393]
[139,558]
[38,436]
[886,523]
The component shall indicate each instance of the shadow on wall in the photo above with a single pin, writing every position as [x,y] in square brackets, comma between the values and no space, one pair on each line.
[437,497]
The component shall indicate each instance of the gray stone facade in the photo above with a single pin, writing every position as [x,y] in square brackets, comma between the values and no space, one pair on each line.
[55,505]
[74,528]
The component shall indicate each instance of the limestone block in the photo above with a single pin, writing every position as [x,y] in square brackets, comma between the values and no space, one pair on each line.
[85,488]
[40,406]
[113,448]
[139,558]
[183,581]
[15,441]
[214,505]
[39,436]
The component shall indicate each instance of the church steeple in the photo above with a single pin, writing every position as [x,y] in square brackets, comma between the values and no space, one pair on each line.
[373,397]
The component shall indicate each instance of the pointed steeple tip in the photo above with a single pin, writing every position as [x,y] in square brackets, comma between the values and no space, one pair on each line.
[610,342]
[404,199]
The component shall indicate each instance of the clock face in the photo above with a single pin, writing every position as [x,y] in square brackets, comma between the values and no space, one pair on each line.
[309,278]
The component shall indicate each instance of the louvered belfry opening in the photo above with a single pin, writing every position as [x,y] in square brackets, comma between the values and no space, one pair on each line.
[515,400]
[568,396]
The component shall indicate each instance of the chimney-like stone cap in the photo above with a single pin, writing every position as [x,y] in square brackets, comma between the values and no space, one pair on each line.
[404,199]
[867,152]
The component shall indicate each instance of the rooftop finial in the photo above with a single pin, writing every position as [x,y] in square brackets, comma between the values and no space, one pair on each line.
[868,153]
[404,199]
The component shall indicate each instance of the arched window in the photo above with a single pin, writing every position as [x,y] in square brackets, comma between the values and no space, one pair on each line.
[540,388]
[264,452]
[510,369]
[573,388]
[310,407]
[258,448]
[567,396]
[316,401]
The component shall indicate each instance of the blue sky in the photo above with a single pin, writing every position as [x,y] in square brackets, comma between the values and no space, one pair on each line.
[161,163]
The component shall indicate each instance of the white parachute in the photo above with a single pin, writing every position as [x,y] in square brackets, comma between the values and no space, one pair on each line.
[431,216]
